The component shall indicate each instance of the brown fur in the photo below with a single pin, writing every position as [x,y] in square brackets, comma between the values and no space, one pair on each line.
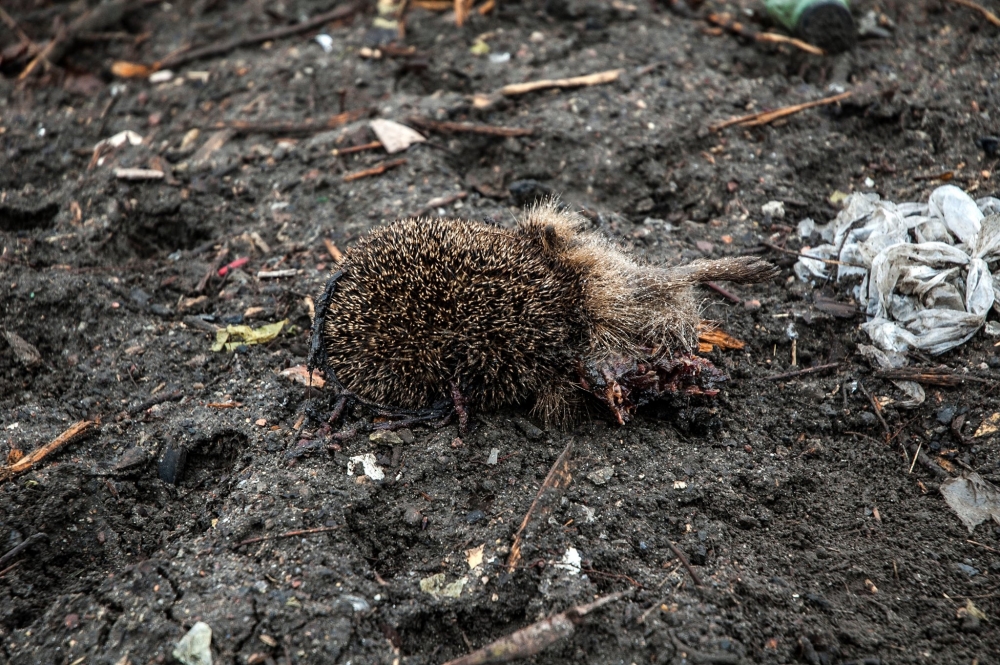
[505,315]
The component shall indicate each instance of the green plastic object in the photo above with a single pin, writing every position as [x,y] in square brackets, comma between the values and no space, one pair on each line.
[827,24]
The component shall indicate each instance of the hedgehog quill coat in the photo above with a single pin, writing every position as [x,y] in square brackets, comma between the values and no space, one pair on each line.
[425,311]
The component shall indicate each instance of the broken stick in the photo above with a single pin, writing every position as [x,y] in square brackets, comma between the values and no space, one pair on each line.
[558,479]
[726,21]
[180,58]
[575,82]
[532,639]
[987,14]
[378,169]
[467,128]
[30,460]
[253,127]
[92,20]
[287,534]
[765,117]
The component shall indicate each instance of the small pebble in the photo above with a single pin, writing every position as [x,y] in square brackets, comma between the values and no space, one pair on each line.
[195,647]
[967,569]
[945,415]
[385,436]
[529,429]
[475,516]
[413,516]
[601,476]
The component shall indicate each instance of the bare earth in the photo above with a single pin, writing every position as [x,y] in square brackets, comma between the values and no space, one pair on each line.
[798,509]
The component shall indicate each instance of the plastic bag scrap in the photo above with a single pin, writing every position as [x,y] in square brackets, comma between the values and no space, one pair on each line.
[926,279]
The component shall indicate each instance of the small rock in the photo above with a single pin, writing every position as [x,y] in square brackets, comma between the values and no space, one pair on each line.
[385,436]
[967,569]
[195,647]
[139,296]
[971,624]
[475,516]
[601,476]
[356,603]
[945,414]
[529,429]
[773,209]
[494,456]
[990,145]
[171,466]
[406,436]
[413,516]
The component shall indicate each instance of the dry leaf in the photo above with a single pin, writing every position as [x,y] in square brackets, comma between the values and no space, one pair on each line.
[474,556]
[300,374]
[394,136]
[25,351]
[989,425]
[234,336]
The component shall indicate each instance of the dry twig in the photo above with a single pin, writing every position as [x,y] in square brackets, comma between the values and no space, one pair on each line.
[333,250]
[532,639]
[378,169]
[987,14]
[928,376]
[25,544]
[684,562]
[93,20]
[468,128]
[357,148]
[575,82]
[765,117]
[558,479]
[254,127]
[30,460]
[287,534]
[12,24]
[183,57]
[726,21]
[800,372]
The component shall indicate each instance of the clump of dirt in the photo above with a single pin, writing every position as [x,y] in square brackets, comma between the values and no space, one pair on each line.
[797,501]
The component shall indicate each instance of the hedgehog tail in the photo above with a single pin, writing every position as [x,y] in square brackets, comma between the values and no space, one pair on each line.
[739,269]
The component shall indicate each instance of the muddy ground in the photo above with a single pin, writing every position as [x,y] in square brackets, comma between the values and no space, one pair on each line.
[815,540]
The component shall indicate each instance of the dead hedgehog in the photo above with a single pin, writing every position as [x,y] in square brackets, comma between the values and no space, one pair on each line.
[425,316]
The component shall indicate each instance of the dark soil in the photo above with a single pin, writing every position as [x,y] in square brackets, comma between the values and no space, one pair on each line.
[815,540]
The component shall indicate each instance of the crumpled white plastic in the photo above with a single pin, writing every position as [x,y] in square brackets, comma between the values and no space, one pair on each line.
[925,267]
